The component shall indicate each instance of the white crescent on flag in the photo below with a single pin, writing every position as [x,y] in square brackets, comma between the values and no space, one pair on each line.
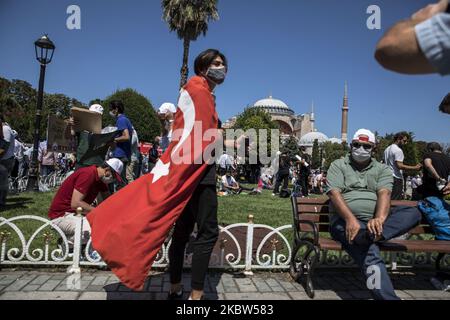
[187,107]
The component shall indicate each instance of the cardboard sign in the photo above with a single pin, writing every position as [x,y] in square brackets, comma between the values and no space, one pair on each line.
[86,120]
[59,138]
[93,147]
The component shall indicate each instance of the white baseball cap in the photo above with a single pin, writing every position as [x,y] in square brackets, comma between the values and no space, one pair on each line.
[364,135]
[117,166]
[96,108]
[167,107]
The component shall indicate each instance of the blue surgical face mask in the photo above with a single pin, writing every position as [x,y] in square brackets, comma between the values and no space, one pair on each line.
[361,155]
[217,75]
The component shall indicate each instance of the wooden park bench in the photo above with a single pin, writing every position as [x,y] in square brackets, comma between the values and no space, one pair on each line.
[311,218]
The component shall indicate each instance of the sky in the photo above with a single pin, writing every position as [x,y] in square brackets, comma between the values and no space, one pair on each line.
[298,51]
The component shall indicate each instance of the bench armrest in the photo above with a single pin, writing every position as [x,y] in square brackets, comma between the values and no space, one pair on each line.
[315,230]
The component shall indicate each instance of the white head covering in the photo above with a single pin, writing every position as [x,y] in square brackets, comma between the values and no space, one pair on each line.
[167,107]
[364,135]
[96,108]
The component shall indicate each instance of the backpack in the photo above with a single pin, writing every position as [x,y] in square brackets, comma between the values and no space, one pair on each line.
[437,213]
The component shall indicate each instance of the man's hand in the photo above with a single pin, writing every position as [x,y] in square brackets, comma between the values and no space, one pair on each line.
[418,166]
[446,190]
[430,10]
[352,228]
[375,226]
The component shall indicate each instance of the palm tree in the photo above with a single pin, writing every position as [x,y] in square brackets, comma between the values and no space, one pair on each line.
[189,18]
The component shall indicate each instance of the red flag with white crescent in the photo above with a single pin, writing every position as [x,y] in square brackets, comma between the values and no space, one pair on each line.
[129,228]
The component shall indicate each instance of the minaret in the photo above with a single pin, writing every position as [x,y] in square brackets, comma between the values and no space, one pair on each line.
[311,117]
[344,128]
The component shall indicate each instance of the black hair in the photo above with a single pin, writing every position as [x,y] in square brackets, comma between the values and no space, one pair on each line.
[117,104]
[434,146]
[204,60]
[105,166]
[400,136]
[2,117]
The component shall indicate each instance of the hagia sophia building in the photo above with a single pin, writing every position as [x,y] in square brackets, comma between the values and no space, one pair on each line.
[302,126]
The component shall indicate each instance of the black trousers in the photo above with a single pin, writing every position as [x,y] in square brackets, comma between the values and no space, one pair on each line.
[397,189]
[304,185]
[281,177]
[201,209]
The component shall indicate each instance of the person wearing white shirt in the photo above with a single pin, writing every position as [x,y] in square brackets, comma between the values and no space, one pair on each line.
[226,162]
[393,158]
[131,176]
[229,184]
[6,159]
[166,113]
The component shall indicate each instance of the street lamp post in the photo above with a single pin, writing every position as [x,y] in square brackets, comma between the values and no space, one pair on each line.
[44,49]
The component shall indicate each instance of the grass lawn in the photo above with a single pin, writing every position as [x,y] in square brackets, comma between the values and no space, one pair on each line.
[273,211]
[266,209]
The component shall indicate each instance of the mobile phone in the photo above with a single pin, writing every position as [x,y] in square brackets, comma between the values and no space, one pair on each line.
[448,8]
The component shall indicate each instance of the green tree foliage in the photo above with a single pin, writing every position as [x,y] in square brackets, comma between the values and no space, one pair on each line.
[333,151]
[316,155]
[138,109]
[446,148]
[18,104]
[382,144]
[255,118]
[189,19]
[421,147]
[290,145]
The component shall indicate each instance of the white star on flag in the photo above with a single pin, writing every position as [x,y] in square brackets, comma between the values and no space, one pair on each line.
[161,169]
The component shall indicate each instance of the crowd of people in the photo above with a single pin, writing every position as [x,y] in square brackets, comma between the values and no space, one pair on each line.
[359,187]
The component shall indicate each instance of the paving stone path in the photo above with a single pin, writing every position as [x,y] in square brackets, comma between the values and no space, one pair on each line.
[103,285]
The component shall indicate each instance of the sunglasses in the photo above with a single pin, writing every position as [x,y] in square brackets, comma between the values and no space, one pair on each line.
[358,145]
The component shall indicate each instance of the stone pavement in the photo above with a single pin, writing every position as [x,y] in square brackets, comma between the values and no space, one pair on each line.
[103,285]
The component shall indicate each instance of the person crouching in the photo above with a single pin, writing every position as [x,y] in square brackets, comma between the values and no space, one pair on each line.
[80,190]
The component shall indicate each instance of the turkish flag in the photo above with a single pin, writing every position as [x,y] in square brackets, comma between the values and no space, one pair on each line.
[129,228]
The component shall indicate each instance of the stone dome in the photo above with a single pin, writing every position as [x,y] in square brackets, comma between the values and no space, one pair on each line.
[274,107]
[308,139]
[335,140]
[270,102]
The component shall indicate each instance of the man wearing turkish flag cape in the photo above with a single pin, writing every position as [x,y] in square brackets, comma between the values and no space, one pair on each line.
[129,228]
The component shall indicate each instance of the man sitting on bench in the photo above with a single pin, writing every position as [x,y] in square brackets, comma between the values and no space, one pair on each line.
[360,190]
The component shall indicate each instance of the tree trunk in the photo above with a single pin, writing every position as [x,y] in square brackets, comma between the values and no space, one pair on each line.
[184,69]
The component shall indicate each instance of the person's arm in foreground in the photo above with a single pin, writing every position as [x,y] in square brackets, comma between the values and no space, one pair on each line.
[403,166]
[431,170]
[78,201]
[375,225]
[351,223]
[124,137]
[399,50]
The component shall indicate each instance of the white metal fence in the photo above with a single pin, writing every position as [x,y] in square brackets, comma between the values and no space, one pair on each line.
[46,183]
[32,240]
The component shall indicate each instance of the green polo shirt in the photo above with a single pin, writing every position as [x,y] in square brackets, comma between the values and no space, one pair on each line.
[358,187]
